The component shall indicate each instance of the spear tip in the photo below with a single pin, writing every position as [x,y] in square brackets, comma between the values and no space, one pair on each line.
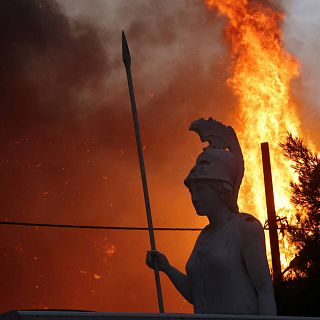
[125,51]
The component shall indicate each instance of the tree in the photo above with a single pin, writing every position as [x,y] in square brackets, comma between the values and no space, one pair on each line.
[302,292]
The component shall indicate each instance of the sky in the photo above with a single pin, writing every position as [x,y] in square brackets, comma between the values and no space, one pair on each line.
[68,149]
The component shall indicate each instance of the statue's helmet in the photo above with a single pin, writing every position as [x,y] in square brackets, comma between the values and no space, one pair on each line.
[215,164]
[221,160]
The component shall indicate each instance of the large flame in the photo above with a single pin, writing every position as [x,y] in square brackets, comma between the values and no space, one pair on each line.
[262,73]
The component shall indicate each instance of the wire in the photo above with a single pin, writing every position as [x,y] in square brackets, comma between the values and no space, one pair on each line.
[70,226]
[49,225]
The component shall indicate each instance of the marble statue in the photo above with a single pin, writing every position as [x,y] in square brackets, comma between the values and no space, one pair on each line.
[227,272]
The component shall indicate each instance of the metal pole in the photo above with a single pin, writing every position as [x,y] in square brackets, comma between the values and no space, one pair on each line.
[272,220]
[127,63]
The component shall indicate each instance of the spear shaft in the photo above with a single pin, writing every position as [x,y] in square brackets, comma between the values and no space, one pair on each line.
[127,63]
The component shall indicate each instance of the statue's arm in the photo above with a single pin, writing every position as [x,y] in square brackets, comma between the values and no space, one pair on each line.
[255,259]
[180,281]
[178,278]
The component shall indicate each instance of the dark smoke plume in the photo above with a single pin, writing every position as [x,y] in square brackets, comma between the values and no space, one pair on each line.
[68,151]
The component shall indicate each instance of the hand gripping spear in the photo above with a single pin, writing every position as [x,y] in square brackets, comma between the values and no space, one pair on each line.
[127,63]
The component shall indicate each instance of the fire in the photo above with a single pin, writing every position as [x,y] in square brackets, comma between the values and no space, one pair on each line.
[262,73]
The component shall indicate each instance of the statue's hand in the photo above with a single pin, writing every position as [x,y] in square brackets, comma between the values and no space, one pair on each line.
[163,263]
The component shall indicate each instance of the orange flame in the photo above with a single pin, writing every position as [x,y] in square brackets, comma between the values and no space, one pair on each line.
[262,73]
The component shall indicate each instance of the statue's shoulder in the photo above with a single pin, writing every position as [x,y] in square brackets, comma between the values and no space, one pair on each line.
[250,226]
[247,217]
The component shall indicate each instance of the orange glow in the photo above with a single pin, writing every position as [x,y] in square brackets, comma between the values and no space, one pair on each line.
[261,75]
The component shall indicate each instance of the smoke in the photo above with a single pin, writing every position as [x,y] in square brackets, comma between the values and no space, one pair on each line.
[301,35]
[43,54]
[68,149]
[159,35]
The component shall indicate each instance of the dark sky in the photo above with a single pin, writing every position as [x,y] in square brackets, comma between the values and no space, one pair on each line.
[68,149]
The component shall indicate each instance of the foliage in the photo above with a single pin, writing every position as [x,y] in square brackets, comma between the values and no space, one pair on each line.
[302,292]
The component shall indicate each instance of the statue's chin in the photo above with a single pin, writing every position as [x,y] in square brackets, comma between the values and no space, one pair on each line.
[200,213]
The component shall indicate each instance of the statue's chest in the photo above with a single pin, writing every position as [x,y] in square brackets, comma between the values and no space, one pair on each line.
[215,251]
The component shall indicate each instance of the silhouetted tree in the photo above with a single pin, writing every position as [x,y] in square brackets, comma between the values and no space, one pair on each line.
[302,293]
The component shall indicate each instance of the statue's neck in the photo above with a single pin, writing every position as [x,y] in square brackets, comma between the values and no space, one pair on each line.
[220,218]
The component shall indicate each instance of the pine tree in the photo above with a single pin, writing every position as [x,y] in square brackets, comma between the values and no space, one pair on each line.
[303,291]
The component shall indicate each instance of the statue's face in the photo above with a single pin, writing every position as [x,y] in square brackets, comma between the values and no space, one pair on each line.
[205,197]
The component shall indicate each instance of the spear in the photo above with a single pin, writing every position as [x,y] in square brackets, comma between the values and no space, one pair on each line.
[127,63]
